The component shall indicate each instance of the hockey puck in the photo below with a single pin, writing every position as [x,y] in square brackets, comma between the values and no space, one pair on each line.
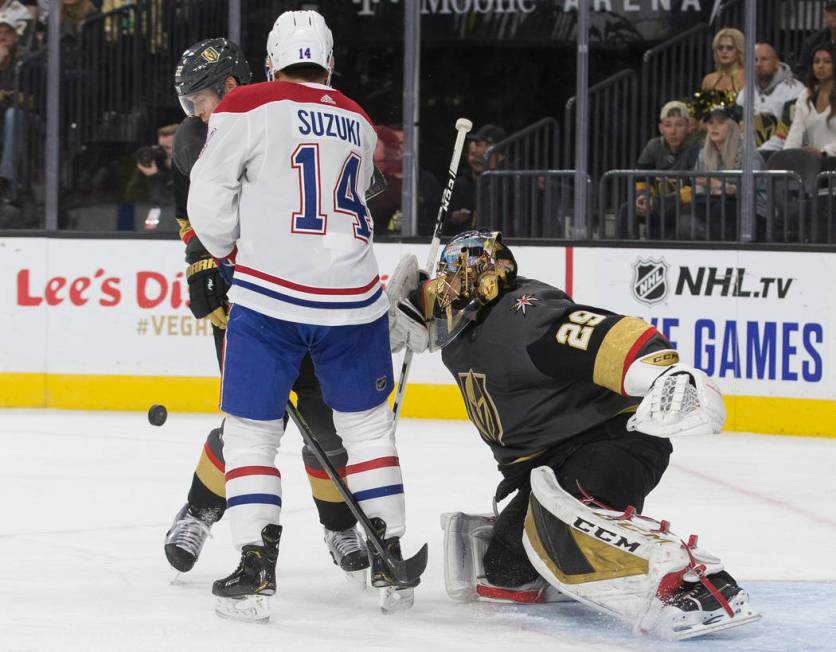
[157,414]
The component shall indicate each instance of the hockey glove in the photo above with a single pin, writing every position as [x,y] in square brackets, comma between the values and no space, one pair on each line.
[681,401]
[406,324]
[207,292]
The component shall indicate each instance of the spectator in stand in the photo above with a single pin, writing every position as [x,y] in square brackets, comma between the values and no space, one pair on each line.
[775,85]
[155,183]
[716,198]
[73,12]
[462,209]
[728,46]
[826,36]
[8,102]
[813,126]
[386,206]
[676,148]
[23,13]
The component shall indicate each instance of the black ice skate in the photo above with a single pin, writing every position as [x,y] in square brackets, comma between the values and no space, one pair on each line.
[245,594]
[702,607]
[348,550]
[394,596]
[186,536]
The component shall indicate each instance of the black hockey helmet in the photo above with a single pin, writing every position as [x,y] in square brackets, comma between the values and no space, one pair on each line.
[207,64]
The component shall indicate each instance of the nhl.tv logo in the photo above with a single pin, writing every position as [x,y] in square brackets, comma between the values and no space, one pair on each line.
[650,280]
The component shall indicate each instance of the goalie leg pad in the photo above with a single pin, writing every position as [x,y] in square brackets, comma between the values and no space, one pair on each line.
[466,540]
[621,563]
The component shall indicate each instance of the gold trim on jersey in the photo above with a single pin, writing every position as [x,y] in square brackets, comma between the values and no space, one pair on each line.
[609,562]
[185,226]
[613,351]
[525,458]
[481,408]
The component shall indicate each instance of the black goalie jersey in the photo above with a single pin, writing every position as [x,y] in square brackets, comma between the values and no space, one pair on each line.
[538,369]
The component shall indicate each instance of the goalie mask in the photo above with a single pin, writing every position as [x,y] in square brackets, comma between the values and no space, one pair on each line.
[474,269]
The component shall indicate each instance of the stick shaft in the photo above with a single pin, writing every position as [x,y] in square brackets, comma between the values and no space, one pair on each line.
[435,243]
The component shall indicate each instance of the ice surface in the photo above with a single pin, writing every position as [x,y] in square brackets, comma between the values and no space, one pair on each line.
[87,498]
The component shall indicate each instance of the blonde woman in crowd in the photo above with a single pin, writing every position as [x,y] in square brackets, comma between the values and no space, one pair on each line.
[723,151]
[728,47]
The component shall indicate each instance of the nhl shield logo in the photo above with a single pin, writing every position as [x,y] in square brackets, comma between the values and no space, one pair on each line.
[650,280]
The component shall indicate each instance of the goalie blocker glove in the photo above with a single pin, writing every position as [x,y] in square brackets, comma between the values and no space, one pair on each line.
[407,328]
[207,291]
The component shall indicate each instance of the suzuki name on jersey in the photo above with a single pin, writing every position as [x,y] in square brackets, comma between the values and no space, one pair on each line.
[322,123]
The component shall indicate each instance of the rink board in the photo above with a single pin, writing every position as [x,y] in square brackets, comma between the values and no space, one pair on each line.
[104,324]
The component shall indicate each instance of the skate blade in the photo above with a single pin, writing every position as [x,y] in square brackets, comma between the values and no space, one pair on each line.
[727,623]
[743,615]
[249,609]
[393,600]
[358,578]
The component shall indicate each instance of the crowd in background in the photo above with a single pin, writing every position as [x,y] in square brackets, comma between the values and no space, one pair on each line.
[795,110]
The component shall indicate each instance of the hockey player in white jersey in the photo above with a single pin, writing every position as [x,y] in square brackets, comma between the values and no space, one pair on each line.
[279,188]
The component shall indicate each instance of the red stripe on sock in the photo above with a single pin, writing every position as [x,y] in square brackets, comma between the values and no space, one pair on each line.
[211,456]
[322,475]
[378,463]
[253,470]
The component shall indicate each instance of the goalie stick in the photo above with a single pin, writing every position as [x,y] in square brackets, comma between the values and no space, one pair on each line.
[463,126]
[404,571]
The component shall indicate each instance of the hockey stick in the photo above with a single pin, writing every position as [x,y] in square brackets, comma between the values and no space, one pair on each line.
[405,572]
[463,126]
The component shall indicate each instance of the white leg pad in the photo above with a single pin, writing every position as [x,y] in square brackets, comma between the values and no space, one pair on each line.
[617,562]
[466,539]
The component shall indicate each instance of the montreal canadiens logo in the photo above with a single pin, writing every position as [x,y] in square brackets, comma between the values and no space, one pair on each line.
[650,280]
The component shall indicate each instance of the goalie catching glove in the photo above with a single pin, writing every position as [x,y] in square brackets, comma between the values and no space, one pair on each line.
[407,328]
[207,292]
[681,400]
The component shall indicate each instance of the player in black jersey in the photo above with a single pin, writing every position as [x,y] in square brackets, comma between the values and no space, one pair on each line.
[206,72]
[577,404]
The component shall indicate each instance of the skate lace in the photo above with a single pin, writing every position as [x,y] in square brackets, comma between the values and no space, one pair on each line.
[345,542]
[190,534]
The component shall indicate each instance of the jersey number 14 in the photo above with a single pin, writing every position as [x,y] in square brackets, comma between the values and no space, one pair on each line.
[347,200]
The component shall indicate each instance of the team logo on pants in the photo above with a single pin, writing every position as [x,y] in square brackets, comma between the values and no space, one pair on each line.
[650,280]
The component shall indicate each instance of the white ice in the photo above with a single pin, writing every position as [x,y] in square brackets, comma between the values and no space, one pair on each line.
[87,498]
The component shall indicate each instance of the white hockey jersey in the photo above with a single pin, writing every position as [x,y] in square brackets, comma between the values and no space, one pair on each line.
[282,177]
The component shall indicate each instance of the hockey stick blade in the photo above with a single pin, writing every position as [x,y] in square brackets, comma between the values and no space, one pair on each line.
[406,571]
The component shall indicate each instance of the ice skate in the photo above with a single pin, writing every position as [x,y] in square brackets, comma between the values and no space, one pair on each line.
[245,594]
[695,609]
[187,534]
[393,597]
[348,551]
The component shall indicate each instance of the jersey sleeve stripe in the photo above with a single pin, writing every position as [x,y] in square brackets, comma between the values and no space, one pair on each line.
[633,353]
[308,289]
[617,346]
